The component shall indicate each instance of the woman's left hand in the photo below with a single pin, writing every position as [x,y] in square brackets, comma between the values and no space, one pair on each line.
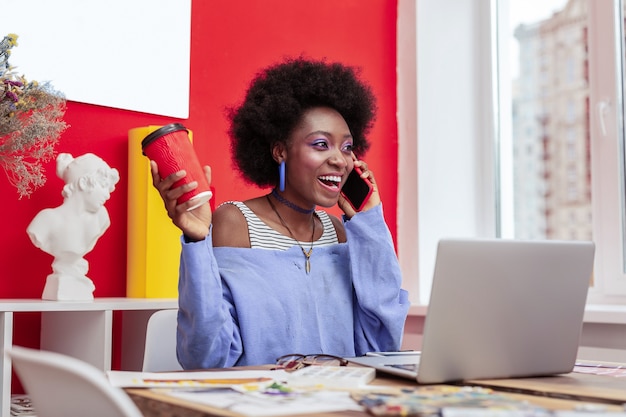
[374,198]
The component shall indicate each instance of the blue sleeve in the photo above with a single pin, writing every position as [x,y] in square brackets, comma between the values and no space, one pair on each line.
[381,304]
[207,334]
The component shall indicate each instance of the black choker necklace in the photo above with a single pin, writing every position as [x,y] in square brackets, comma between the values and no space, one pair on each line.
[289,204]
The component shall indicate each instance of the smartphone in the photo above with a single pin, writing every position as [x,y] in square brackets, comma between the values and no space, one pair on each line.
[357,190]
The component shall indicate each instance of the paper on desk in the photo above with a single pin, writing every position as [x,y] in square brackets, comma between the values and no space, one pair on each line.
[130,379]
[275,400]
[616,370]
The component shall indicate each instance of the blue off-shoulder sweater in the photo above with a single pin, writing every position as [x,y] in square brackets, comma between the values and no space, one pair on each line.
[242,306]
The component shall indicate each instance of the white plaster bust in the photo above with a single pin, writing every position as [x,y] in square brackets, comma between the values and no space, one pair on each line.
[71,230]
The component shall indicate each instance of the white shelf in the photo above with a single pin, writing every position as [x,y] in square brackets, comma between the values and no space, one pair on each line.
[112,303]
[83,329]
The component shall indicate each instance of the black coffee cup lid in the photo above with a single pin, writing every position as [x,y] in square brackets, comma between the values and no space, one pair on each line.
[162,131]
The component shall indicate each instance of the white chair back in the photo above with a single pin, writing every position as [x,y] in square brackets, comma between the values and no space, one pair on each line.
[62,386]
[160,349]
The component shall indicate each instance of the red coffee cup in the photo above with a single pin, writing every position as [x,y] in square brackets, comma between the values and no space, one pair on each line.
[170,147]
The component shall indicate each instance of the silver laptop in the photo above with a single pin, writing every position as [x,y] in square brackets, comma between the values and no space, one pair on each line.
[499,309]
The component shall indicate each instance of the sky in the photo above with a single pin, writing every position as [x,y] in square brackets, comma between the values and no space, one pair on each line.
[528,11]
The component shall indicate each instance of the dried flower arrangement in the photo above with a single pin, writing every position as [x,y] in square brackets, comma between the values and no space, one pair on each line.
[31,121]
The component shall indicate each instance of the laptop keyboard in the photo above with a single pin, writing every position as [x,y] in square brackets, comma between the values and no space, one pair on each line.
[413,366]
[407,367]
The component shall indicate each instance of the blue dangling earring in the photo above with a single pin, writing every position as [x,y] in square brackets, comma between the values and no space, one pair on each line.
[281,176]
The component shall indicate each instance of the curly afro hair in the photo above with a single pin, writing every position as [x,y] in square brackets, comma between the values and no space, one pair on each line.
[275,102]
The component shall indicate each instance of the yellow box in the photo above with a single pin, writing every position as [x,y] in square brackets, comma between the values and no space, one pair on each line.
[153,241]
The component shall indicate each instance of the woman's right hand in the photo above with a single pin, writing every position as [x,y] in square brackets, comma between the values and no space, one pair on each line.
[195,223]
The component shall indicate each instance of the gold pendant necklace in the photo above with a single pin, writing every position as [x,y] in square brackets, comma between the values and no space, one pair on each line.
[307,254]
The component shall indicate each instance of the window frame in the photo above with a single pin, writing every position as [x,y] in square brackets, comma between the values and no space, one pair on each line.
[452,76]
[607,127]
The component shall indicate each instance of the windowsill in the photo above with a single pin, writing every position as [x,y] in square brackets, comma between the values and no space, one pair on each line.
[418,310]
[605,313]
[594,313]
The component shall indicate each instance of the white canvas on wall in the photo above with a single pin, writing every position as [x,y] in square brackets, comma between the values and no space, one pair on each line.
[126,54]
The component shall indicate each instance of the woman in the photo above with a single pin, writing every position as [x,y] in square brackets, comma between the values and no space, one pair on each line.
[272,275]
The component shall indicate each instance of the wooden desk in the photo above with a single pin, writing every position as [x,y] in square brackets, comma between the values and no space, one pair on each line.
[605,391]
[583,387]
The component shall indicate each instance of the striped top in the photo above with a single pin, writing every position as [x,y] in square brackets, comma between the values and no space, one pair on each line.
[264,237]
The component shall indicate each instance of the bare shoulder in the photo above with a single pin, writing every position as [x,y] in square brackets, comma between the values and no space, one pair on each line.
[341,231]
[230,227]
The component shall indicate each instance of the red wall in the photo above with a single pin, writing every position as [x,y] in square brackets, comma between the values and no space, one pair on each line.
[231,40]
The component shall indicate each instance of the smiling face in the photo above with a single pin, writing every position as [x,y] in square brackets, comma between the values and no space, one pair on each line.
[318,158]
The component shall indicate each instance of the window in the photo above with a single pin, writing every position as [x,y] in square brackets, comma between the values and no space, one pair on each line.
[573,44]
[530,149]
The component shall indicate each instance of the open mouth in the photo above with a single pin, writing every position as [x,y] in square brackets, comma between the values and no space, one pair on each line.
[330,180]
